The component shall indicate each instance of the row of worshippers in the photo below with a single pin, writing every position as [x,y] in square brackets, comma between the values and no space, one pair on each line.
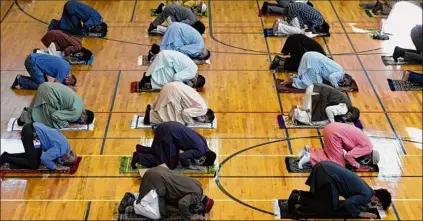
[300,18]
[63,44]
[54,106]
[330,179]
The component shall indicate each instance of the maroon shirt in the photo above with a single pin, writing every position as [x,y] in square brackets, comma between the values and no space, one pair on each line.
[63,42]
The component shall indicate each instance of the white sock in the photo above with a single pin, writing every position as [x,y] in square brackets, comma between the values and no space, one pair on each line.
[306,149]
[305,159]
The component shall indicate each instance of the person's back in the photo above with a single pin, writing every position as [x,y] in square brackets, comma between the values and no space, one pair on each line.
[182,94]
[306,14]
[170,185]
[170,66]
[52,142]
[321,67]
[326,96]
[85,13]
[51,65]
[351,136]
[54,101]
[63,42]
[186,138]
[181,14]
[346,182]
[296,46]
[183,38]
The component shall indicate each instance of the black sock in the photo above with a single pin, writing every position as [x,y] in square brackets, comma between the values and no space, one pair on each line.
[147,115]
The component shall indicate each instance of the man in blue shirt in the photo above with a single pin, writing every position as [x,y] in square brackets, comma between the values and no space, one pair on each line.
[169,139]
[328,181]
[183,38]
[53,148]
[75,12]
[42,68]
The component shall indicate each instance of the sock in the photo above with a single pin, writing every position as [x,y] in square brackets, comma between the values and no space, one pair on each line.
[305,159]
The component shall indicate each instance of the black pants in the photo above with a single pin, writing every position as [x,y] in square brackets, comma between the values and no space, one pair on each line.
[147,157]
[320,203]
[31,158]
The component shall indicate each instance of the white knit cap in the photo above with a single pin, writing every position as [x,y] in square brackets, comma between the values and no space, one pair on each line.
[375,157]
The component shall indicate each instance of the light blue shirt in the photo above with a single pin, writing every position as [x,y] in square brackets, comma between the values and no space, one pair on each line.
[53,143]
[183,38]
[169,66]
[314,68]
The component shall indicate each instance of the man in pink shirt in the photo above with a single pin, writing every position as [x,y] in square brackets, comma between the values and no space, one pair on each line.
[337,138]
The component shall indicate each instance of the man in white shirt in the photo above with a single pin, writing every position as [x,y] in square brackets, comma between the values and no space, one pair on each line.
[181,103]
[322,104]
[170,66]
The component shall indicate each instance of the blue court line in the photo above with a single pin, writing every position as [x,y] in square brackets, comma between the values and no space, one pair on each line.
[110,113]
[87,211]
[402,149]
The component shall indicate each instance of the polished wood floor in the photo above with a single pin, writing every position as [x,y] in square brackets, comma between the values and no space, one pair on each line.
[239,88]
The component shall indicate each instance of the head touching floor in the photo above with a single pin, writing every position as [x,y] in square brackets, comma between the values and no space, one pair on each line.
[69,159]
[199,26]
[210,158]
[346,80]
[86,54]
[205,55]
[198,82]
[324,28]
[70,80]
[87,117]
[352,115]
[209,116]
[382,197]
[101,28]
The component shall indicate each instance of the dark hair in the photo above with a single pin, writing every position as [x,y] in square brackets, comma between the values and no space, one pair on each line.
[201,81]
[90,116]
[310,4]
[384,197]
[346,80]
[210,115]
[207,55]
[86,54]
[199,26]
[210,158]
[355,114]
[155,49]
[69,158]
[324,28]
[73,79]
[103,28]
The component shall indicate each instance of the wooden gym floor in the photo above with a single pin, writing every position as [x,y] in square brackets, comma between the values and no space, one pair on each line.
[239,88]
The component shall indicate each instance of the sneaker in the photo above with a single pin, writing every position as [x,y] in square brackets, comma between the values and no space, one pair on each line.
[275,62]
[15,84]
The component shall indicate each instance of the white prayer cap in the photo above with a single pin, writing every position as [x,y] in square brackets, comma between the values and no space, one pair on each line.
[375,157]
[203,7]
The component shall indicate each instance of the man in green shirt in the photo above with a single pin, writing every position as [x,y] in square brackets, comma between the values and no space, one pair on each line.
[58,106]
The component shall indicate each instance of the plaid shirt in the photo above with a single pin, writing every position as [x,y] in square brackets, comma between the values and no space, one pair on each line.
[306,15]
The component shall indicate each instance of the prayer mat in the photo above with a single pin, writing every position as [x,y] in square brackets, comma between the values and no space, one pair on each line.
[130,215]
[260,14]
[292,166]
[138,123]
[281,212]
[371,14]
[125,167]
[389,60]
[285,123]
[143,61]
[155,33]
[43,169]
[12,125]
[201,14]
[289,89]
[268,32]
[78,61]
[134,88]
[399,85]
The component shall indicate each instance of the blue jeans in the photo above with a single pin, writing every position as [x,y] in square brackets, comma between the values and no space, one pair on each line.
[415,78]
[36,77]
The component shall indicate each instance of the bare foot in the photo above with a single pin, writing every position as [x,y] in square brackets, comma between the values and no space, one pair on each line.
[405,75]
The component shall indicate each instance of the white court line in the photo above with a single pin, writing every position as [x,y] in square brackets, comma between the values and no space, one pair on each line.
[95,200]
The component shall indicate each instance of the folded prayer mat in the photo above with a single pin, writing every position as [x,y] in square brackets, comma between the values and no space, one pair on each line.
[285,123]
[389,60]
[138,123]
[292,166]
[79,61]
[43,169]
[280,208]
[125,167]
[370,13]
[268,32]
[12,125]
[201,14]
[399,85]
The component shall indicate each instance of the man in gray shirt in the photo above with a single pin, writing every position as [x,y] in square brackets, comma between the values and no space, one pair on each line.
[178,13]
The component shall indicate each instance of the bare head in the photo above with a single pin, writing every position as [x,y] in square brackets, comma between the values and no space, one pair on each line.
[87,117]
[198,82]
[70,80]
[382,197]
[205,55]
